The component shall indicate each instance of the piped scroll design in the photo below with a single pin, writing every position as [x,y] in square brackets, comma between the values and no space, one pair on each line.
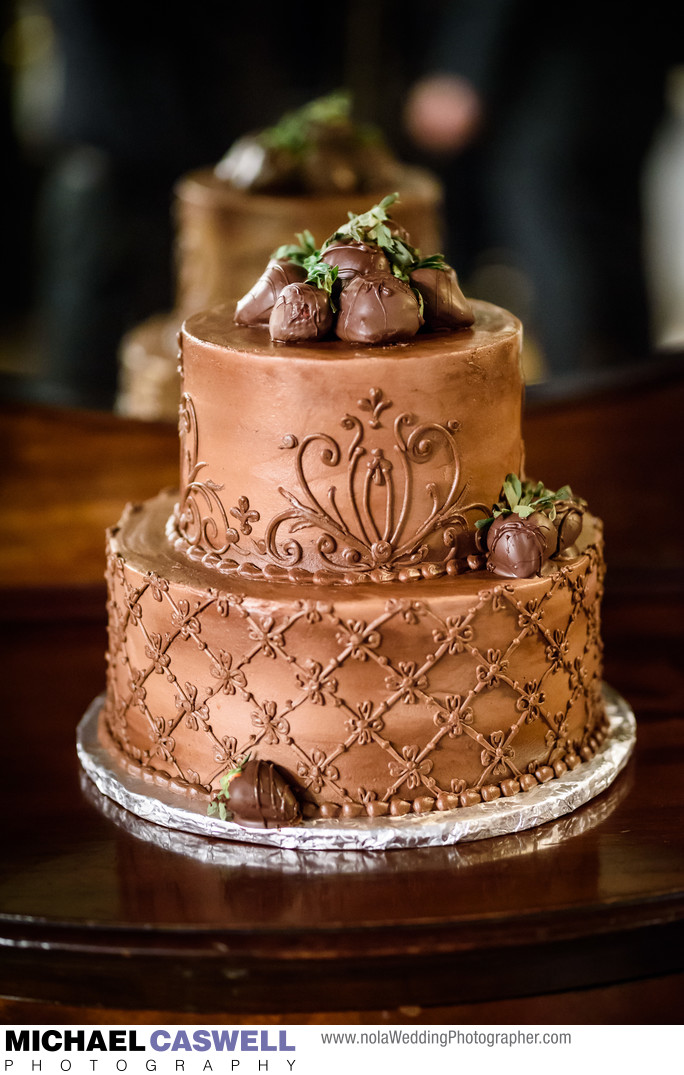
[202,517]
[371,523]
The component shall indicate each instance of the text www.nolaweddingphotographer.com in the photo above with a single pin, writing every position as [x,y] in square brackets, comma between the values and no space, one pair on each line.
[446,1038]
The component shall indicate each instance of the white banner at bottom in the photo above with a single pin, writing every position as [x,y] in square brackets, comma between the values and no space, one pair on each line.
[359,1049]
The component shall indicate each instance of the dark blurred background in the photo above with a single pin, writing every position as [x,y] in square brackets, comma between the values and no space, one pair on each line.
[558,134]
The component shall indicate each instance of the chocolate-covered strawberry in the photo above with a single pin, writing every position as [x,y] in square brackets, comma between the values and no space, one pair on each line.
[516,547]
[257,795]
[547,528]
[378,308]
[560,528]
[568,522]
[444,304]
[302,312]
[255,163]
[260,796]
[355,259]
[255,307]
[530,524]
[327,160]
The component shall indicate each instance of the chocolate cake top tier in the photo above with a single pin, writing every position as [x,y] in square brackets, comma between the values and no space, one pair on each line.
[358,418]
[321,458]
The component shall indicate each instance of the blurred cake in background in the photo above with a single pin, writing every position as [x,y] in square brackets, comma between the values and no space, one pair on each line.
[308,171]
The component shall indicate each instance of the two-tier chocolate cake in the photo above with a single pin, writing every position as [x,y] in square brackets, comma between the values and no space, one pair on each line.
[356,605]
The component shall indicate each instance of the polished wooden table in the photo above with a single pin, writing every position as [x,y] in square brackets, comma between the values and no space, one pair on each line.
[580,920]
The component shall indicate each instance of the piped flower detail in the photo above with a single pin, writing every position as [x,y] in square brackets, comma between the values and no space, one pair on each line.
[230,679]
[412,769]
[273,728]
[361,639]
[453,715]
[531,702]
[313,681]
[408,681]
[456,634]
[194,714]
[365,724]
[317,771]
[495,753]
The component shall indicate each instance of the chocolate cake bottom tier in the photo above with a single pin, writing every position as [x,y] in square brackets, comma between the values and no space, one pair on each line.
[370,698]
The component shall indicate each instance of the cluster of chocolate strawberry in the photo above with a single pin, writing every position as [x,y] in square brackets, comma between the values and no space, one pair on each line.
[365,285]
[529,525]
[317,149]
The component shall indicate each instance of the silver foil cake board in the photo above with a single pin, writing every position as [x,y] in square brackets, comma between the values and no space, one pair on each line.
[526,810]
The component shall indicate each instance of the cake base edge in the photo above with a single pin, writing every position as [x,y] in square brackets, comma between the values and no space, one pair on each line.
[527,809]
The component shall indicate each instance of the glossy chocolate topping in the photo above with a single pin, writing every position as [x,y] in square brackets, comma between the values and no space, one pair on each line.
[377,308]
[261,796]
[444,304]
[355,259]
[255,307]
[301,312]
[547,528]
[561,532]
[396,290]
[516,547]
[568,526]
